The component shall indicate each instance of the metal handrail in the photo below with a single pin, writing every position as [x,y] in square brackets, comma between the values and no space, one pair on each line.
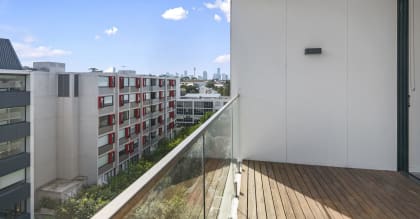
[118,203]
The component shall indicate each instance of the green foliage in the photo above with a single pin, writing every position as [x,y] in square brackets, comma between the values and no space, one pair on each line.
[210,84]
[48,203]
[92,198]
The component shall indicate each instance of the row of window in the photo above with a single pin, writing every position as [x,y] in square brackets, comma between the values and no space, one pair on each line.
[12,115]
[190,111]
[10,148]
[109,81]
[12,83]
[105,101]
[198,104]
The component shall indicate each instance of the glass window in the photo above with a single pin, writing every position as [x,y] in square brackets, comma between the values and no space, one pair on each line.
[12,178]
[126,82]
[103,81]
[132,82]
[108,101]
[11,83]
[132,98]
[121,133]
[9,148]
[12,115]
[103,121]
[102,140]
[103,160]
[126,98]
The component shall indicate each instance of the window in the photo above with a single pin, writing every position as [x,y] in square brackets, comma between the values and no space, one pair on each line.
[76,85]
[12,83]
[103,160]
[121,133]
[12,115]
[12,178]
[153,82]
[132,82]
[208,105]
[105,121]
[10,148]
[103,81]
[63,85]
[132,98]
[108,101]
[126,82]
[103,141]
[126,98]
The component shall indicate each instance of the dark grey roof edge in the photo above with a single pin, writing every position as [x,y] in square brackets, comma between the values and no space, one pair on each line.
[8,56]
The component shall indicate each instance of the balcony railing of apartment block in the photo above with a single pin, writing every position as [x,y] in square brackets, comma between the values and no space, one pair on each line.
[196,179]
[105,129]
[105,90]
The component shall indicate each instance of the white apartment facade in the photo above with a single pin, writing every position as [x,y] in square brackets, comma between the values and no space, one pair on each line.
[89,126]
[191,107]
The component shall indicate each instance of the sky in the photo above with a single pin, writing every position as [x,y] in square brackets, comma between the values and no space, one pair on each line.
[151,37]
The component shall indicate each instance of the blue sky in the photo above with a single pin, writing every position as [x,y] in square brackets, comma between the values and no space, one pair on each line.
[154,37]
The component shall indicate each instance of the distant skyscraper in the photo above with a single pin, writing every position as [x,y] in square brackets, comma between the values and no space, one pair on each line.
[185,73]
[218,71]
[204,75]
[225,77]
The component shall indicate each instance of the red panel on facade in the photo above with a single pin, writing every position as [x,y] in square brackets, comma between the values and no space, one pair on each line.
[121,117]
[111,138]
[121,100]
[127,132]
[121,82]
[100,101]
[111,119]
[137,82]
[111,81]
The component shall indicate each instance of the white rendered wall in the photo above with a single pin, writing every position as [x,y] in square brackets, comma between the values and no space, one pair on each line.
[338,108]
[414,149]
[43,104]
[68,134]
[88,126]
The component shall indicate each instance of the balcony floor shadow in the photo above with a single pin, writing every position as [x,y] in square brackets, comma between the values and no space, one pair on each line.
[279,190]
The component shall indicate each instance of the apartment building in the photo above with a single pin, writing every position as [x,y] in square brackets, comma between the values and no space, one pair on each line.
[124,116]
[16,151]
[96,123]
[324,117]
[191,107]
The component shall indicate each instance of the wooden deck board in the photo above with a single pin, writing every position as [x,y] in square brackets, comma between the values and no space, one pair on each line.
[276,190]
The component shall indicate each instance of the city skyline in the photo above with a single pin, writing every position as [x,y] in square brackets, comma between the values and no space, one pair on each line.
[151,38]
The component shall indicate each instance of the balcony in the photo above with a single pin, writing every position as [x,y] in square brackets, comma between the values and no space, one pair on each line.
[106,110]
[205,178]
[105,168]
[102,91]
[105,129]
[301,191]
[198,174]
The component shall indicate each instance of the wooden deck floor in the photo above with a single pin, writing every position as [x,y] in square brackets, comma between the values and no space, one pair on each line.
[277,190]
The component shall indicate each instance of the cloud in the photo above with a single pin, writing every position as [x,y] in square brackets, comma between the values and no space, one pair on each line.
[111,31]
[97,37]
[217,18]
[29,39]
[222,59]
[175,14]
[222,5]
[27,50]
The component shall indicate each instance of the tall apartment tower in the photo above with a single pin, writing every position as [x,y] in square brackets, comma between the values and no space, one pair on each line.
[16,171]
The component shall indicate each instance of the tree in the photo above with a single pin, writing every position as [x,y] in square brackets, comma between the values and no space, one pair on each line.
[210,84]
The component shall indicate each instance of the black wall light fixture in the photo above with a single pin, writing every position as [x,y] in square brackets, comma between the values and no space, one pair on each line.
[313,51]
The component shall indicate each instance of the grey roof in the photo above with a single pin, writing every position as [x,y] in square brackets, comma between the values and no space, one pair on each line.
[8,57]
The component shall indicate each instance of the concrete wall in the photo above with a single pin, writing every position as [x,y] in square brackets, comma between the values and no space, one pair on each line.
[88,126]
[44,98]
[68,135]
[414,150]
[337,108]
